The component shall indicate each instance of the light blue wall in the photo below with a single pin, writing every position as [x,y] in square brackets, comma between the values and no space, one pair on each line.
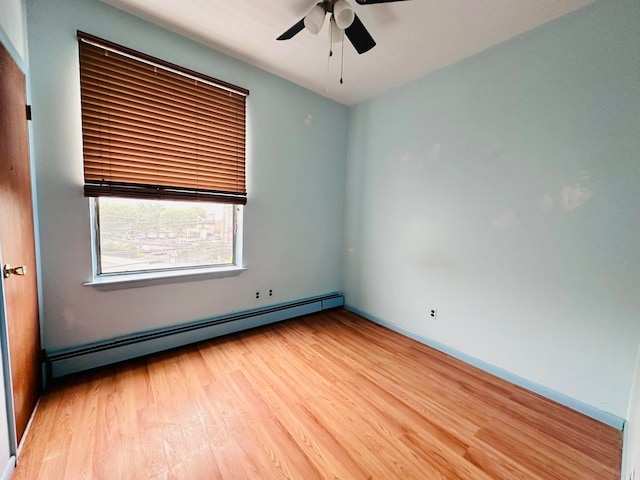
[505,192]
[13,31]
[296,161]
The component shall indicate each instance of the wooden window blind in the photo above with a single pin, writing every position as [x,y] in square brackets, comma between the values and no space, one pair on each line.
[152,129]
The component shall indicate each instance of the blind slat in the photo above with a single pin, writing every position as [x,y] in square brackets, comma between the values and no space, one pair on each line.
[153,192]
[99,64]
[156,132]
[141,92]
[123,119]
[218,158]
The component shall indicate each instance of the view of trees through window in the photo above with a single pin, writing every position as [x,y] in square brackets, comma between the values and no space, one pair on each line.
[139,235]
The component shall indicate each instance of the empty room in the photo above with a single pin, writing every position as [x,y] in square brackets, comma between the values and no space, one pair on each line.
[354,239]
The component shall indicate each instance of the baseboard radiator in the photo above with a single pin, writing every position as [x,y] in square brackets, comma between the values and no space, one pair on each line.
[72,360]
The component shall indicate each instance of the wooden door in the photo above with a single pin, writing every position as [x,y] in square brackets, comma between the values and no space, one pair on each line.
[17,241]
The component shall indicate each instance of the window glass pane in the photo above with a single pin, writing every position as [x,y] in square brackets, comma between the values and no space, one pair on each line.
[141,235]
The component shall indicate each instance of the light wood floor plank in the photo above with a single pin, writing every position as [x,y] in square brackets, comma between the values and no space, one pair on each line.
[326,396]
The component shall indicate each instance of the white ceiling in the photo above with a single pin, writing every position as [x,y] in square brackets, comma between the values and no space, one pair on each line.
[413,37]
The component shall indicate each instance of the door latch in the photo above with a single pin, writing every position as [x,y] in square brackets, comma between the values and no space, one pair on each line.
[8,270]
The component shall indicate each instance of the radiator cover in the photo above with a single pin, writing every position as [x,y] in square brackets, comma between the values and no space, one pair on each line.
[76,359]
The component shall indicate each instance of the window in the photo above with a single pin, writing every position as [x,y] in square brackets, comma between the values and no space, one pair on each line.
[142,235]
[164,161]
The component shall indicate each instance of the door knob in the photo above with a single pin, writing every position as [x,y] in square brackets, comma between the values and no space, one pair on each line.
[8,270]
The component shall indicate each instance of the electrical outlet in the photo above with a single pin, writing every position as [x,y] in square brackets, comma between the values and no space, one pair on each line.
[270,292]
[433,313]
[257,295]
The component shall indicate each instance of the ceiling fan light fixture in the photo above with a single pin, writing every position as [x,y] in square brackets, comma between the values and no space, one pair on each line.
[315,19]
[337,34]
[343,14]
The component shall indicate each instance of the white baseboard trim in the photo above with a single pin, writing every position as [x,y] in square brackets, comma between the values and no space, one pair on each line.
[625,451]
[27,430]
[85,357]
[9,468]
[584,408]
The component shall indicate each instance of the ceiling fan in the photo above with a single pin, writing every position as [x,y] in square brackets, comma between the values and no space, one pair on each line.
[342,16]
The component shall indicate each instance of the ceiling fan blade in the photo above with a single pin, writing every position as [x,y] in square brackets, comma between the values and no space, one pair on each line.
[370,2]
[359,36]
[297,28]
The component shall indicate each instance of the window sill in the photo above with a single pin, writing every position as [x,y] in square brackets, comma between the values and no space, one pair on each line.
[146,279]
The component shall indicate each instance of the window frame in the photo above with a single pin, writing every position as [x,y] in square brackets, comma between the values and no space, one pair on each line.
[115,280]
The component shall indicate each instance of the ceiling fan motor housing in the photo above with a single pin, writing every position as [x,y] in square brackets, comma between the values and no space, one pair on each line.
[343,16]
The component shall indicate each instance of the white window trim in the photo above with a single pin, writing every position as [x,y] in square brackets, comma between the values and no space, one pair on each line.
[116,281]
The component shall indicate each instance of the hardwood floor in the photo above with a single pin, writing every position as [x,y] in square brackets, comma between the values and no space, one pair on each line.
[329,395]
